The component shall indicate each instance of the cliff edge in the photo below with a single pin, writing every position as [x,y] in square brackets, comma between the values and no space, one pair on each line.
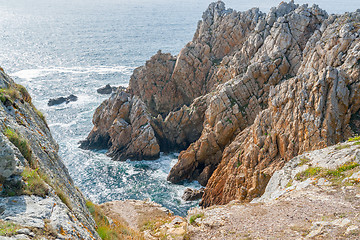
[247,94]
[38,198]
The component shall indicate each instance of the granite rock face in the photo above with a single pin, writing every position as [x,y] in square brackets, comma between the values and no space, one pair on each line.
[309,111]
[248,93]
[26,144]
[123,124]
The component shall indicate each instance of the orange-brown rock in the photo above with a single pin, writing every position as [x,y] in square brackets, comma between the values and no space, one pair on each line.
[235,104]
[307,112]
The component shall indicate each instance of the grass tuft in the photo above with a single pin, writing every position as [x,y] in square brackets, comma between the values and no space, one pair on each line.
[21,144]
[35,185]
[194,217]
[343,168]
[334,175]
[310,172]
[63,198]
[8,228]
[304,161]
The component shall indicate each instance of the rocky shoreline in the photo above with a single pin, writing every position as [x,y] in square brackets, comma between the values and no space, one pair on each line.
[265,108]
[247,94]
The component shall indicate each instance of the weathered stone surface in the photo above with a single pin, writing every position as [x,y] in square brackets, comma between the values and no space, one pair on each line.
[123,124]
[29,131]
[309,111]
[234,105]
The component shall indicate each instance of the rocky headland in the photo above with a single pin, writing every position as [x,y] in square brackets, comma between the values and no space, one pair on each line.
[251,91]
[260,106]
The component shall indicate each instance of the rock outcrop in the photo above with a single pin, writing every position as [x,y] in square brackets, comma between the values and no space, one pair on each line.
[36,190]
[309,111]
[247,94]
[314,196]
[123,124]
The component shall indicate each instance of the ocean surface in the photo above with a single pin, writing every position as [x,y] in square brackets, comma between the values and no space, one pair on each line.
[63,47]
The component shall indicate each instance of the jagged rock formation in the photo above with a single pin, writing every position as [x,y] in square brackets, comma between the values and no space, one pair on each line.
[247,94]
[123,124]
[36,190]
[307,112]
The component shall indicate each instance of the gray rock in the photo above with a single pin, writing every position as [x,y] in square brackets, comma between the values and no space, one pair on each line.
[192,194]
[106,89]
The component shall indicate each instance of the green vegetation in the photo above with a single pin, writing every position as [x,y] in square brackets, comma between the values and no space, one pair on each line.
[289,184]
[107,231]
[20,143]
[13,93]
[40,114]
[8,228]
[343,168]
[63,198]
[239,163]
[35,185]
[310,172]
[304,161]
[9,93]
[228,120]
[343,146]
[354,139]
[194,217]
[24,93]
[334,175]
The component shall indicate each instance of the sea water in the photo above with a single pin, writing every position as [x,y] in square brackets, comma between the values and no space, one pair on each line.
[63,47]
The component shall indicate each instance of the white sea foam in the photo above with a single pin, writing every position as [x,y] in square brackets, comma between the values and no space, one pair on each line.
[30,74]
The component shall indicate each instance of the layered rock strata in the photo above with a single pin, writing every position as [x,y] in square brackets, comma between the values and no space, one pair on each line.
[248,93]
[36,190]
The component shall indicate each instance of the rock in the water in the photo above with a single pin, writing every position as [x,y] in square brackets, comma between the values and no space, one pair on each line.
[123,124]
[60,100]
[106,89]
[192,194]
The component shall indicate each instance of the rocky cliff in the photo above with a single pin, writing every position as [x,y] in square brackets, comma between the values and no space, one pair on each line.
[247,94]
[38,197]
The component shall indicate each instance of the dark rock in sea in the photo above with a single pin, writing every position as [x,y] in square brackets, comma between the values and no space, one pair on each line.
[192,194]
[107,89]
[60,100]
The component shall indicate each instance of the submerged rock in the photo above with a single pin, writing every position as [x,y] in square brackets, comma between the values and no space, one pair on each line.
[60,100]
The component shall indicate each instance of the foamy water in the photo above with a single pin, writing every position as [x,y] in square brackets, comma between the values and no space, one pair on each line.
[58,48]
